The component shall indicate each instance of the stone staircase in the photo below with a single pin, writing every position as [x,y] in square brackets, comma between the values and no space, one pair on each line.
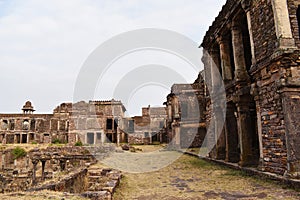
[102,183]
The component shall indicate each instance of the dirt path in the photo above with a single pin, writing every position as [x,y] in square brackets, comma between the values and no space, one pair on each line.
[191,178]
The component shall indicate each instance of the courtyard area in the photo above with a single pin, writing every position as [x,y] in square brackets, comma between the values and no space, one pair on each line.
[192,178]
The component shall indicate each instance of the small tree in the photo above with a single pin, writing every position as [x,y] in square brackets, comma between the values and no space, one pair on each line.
[18,152]
[79,143]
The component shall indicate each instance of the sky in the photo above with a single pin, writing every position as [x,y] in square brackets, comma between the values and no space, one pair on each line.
[44,44]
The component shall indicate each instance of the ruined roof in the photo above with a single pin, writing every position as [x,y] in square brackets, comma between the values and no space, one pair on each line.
[219,21]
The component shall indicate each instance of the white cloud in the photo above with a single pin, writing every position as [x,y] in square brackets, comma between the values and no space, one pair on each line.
[44,43]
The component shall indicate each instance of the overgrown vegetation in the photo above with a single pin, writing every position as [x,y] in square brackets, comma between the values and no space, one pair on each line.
[58,141]
[19,152]
[78,144]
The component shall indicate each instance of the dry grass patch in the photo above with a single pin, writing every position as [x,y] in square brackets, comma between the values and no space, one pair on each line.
[192,178]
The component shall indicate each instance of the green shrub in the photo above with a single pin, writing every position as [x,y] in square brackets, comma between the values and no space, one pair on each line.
[56,141]
[79,143]
[18,152]
[34,142]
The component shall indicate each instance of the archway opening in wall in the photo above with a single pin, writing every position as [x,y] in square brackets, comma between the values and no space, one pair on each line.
[232,67]
[231,132]
[109,137]
[31,136]
[109,124]
[90,138]
[246,41]
[99,138]
[298,19]
[154,137]
[10,138]
[24,138]
[254,130]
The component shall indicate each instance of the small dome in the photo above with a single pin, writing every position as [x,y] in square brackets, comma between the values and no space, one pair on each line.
[28,107]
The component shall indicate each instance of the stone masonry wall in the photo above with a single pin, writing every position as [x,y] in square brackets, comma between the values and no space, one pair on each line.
[277,118]
[264,34]
[272,118]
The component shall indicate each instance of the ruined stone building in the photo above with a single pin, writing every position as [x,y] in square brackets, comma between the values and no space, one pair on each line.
[96,122]
[185,114]
[148,128]
[91,123]
[255,44]
[29,127]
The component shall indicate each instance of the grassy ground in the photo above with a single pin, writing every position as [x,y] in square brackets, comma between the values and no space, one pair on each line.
[191,178]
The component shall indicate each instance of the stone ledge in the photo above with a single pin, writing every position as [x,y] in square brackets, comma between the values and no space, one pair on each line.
[292,183]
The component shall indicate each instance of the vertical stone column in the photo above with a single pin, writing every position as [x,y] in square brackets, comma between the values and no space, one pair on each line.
[291,110]
[150,137]
[282,24]
[177,135]
[34,162]
[118,138]
[255,94]
[15,163]
[103,137]
[225,57]
[3,160]
[95,138]
[238,53]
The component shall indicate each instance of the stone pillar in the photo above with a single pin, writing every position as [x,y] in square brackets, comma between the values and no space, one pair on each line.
[246,4]
[118,138]
[43,169]
[15,163]
[150,137]
[3,160]
[291,110]
[225,58]
[103,137]
[177,135]
[255,94]
[238,53]
[282,24]
[34,162]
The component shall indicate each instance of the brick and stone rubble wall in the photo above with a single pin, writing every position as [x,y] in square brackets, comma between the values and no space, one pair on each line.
[276,111]
[272,118]
[264,34]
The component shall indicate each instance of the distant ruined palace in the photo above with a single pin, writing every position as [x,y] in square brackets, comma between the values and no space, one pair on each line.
[255,47]
[95,122]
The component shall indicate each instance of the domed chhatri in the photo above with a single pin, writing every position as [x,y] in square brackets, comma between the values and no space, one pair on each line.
[28,108]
